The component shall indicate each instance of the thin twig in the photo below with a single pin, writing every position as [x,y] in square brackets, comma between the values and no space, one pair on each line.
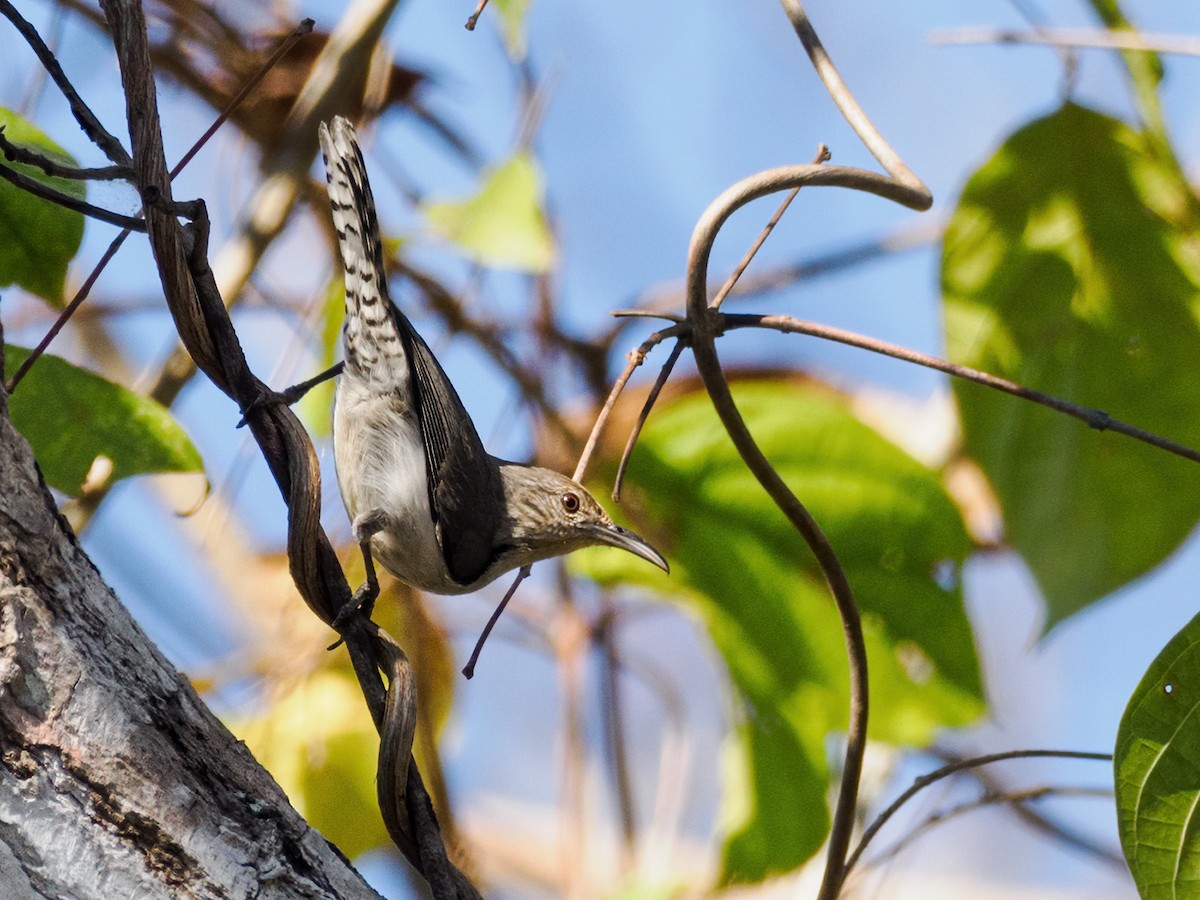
[821,157]
[636,358]
[55,169]
[937,775]
[473,19]
[469,669]
[87,120]
[45,192]
[1013,800]
[286,44]
[848,106]
[651,399]
[1093,418]
[605,637]
[1036,820]
[68,310]
[1089,38]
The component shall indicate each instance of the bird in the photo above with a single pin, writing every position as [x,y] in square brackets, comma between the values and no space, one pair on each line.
[424,497]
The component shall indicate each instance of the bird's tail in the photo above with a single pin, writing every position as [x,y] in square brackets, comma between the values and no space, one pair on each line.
[371,334]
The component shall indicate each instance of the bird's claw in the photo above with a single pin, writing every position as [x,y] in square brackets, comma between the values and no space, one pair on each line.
[362,603]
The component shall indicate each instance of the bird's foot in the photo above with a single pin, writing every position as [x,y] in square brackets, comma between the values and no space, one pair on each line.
[361,604]
[287,396]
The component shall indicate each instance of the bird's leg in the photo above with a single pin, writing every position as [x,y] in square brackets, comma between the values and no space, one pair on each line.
[290,395]
[469,668]
[366,525]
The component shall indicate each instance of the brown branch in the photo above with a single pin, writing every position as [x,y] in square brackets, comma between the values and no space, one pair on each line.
[67,312]
[902,186]
[17,153]
[1093,418]
[651,399]
[636,358]
[473,19]
[45,192]
[821,157]
[87,120]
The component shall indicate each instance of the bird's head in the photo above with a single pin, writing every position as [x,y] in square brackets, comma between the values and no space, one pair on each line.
[551,515]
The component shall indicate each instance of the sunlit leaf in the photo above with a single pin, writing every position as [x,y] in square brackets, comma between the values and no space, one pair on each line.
[316,737]
[740,566]
[1157,767]
[511,15]
[503,224]
[37,238]
[319,744]
[316,407]
[1060,273]
[70,417]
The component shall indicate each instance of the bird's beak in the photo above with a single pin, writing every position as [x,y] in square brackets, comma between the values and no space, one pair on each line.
[616,536]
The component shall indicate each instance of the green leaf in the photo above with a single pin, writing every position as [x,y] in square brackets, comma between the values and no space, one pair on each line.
[512,25]
[1060,272]
[316,407]
[37,238]
[70,417]
[320,746]
[503,224]
[740,566]
[1157,771]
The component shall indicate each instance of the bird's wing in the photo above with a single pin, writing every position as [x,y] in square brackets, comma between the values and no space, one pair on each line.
[466,498]
[465,493]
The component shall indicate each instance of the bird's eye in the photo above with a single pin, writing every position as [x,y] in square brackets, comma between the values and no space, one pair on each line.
[570,502]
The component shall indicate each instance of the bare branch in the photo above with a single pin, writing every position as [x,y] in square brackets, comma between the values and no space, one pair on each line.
[924,781]
[1087,38]
[87,120]
[473,19]
[821,157]
[45,192]
[1093,418]
[636,358]
[651,399]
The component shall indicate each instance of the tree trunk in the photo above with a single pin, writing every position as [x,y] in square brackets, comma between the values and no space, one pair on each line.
[117,781]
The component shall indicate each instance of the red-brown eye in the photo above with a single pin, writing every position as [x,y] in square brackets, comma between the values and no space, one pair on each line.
[570,502]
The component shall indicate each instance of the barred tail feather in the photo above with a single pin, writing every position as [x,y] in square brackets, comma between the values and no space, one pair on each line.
[371,334]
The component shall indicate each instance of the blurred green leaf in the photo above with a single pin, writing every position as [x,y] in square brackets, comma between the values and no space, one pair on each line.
[70,417]
[741,567]
[1059,272]
[316,407]
[316,738]
[319,744]
[503,224]
[512,24]
[37,238]
[1157,769]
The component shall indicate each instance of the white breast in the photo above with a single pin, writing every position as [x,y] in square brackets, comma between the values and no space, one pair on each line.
[381,466]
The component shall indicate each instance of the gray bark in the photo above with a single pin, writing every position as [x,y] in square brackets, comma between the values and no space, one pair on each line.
[116,781]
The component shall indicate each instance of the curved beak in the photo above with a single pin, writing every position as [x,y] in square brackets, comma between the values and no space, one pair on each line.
[616,536]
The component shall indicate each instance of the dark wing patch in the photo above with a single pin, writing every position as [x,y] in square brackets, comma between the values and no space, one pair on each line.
[465,493]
